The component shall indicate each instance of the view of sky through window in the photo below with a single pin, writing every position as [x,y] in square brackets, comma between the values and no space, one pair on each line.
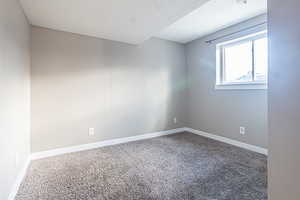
[246,61]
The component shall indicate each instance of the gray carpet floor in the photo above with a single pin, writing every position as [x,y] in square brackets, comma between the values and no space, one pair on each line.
[182,166]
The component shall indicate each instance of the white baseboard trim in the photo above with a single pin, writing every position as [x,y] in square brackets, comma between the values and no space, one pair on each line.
[229,141]
[78,148]
[72,149]
[19,180]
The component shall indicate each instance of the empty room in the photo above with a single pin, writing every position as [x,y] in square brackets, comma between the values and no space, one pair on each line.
[149,100]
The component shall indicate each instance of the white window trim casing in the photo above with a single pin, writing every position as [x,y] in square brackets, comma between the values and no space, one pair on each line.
[253,85]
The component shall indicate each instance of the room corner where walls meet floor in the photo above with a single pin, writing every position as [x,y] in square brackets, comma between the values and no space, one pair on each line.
[86,147]
[79,81]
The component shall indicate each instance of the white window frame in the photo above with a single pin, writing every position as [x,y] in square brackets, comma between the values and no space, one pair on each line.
[220,68]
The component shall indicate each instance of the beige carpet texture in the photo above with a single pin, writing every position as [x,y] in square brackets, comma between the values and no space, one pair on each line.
[182,166]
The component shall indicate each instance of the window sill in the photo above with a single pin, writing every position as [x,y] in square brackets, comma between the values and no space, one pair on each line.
[242,86]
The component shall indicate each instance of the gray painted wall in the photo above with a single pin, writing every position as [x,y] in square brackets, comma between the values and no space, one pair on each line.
[222,112]
[119,89]
[284,98]
[15,93]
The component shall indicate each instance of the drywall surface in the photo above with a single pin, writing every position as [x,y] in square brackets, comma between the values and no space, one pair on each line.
[222,112]
[120,90]
[15,93]
[284,96]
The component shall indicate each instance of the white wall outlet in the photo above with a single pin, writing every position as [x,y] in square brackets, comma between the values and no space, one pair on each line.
[91,131]
[242,130]
[175,120]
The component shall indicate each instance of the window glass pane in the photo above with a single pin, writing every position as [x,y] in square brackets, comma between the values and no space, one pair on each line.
[261,59]
[238,63]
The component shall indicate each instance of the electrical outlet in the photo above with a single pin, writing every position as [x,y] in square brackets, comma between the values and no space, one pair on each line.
[242,130]
[91,131]
[175,120]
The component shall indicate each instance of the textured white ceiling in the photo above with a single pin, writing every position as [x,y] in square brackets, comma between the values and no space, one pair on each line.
[130,21]
[212,16]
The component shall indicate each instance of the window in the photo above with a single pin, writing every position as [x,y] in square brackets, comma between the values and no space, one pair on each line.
[243,63]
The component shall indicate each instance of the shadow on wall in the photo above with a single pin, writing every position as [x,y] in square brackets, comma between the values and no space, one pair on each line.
[223,112]
[120,90]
